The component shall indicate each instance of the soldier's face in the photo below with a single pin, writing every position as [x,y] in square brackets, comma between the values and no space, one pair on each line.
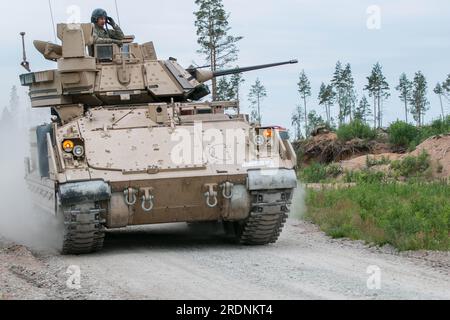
[101,22]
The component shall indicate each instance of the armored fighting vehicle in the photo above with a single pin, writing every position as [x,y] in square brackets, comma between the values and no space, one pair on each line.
[131,141]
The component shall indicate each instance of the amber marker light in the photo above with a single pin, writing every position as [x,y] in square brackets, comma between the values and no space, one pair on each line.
[68,146]
[268,133]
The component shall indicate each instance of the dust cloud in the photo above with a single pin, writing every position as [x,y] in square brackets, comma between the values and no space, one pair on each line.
[298,208]
[20,221]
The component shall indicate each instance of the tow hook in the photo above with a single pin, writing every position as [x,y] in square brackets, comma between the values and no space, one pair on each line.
[130,196]
[227,190]
[211,194]
[147,199]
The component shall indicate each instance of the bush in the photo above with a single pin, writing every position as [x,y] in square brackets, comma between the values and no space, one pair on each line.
[319,173]
[402,134]
[364,177]
[437,127]
[407,216]
[356,130]
[373,162]
[315,173]
[412,166]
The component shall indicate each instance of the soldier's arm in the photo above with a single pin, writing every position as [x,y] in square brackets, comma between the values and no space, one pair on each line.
[99,40]
[117,33]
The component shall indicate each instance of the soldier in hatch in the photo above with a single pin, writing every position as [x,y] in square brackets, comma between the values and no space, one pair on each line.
[102,35]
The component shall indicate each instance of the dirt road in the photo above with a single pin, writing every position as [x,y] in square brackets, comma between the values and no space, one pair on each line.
[174,262]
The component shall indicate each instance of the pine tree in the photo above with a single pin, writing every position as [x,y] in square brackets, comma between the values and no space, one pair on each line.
[327,98]
[14,99]
[339,86]
[297,120]
[363,111]
[218,46]
[344,84]
[419,100]
[446,85]
[439,90]
[223,89]
[17,114]
[349,97]
[6,119]
[236,82]
[229,89]
[257,94]
[405,87]
[314,121]
[378,89]
[304,88]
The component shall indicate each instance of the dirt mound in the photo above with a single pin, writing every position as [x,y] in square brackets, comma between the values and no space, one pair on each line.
[327,148]
[360,163]
[438,148]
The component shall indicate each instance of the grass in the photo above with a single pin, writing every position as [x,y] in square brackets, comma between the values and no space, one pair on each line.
[320,173]
[372,162]
[407,216]
[414,167]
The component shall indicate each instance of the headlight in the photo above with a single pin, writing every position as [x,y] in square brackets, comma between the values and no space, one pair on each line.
[68,146]
[268,134]
[78,151]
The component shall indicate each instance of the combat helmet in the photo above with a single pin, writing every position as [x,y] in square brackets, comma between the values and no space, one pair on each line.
[98,13]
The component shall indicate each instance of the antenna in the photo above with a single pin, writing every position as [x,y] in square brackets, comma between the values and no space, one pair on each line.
[117,12]
[53,20]
[24,63]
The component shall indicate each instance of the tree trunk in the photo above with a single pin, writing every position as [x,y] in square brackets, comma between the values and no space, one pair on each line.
[374,112]
[328,109]
[419,114]
[406,108]
[259,112]
[214,80]
[442,107]
[351,114]
[379,111]
[340,107]
[238,99]
[306,117]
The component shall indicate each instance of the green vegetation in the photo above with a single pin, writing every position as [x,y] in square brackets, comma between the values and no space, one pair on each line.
[402,134]
[407,216]
[372,162]
[437,127]
[413,167]
[365,176]
[356,130]
[319,173]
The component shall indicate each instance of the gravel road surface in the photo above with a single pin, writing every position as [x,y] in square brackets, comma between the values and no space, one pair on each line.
[177,262]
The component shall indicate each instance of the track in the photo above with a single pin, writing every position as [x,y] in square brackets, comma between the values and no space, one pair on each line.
[265,224]
[84,230]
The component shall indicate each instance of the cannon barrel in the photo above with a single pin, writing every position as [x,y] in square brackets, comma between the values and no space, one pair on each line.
[206,75]
[248,69]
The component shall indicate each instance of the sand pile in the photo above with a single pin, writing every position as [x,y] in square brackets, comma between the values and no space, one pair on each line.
[438,148]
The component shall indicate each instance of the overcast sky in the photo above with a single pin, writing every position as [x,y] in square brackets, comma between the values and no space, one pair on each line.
[414,35]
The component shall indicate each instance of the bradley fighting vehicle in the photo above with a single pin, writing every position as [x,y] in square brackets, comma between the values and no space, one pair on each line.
[130,143]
